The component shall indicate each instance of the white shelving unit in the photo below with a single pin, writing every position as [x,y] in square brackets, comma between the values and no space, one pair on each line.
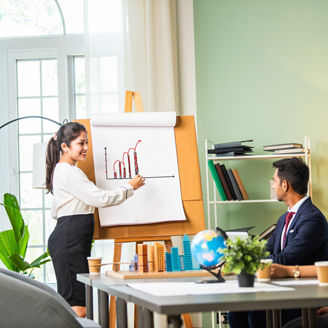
[210,182]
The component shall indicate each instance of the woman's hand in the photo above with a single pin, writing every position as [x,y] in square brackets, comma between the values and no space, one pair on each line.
[279,271]
[137,182]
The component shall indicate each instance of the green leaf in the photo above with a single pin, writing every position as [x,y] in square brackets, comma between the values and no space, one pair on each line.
[38,261]
[13,211]
[20,263]
[7,248]
[22,245]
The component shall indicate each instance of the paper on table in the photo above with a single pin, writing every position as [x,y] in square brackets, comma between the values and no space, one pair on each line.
[191,288]
[127,143]
[291,282]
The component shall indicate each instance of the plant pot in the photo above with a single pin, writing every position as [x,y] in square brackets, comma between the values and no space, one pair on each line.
[245,279]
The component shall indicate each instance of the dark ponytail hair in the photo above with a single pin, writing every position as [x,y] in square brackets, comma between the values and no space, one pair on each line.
[66,134]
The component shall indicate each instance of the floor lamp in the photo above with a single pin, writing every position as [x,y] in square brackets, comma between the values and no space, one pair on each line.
[39,153]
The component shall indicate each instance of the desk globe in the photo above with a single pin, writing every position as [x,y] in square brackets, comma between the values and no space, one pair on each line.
[205,247]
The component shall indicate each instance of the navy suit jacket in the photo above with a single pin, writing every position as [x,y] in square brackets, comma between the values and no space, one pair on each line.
[306,239]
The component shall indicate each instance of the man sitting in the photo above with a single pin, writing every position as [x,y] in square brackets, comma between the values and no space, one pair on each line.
[301,235]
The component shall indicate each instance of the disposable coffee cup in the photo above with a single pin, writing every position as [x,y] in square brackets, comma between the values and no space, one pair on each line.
[265,273]
[322,272]
[94,264]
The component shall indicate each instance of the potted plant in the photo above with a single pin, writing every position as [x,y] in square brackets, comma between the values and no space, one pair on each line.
[13,242]
[243,257]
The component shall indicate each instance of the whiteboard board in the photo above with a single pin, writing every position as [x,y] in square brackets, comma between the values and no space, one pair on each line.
[144,143]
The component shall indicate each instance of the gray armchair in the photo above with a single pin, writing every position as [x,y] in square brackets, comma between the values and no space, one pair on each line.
[28,303]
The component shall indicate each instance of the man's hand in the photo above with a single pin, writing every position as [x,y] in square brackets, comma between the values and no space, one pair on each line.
[323,310]
[279,271]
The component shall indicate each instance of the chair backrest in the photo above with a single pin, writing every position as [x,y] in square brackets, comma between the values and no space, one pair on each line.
[25,305]
[38,284]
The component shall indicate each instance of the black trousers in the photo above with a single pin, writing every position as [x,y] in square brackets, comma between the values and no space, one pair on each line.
[69,246]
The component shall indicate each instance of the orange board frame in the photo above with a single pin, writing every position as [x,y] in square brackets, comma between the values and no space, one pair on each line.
[190,184]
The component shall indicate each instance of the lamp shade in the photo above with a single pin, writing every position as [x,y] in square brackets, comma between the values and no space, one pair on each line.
[39,166]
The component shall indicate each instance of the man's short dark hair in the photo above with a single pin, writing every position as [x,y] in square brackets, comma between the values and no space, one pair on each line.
[294,171]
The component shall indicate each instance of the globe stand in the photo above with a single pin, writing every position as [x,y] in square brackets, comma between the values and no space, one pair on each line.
[217,274]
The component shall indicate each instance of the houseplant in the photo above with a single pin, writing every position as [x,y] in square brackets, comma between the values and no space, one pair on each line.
[13,242]
[243,257]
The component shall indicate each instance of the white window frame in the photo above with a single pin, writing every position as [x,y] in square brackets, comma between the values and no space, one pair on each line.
[12,49]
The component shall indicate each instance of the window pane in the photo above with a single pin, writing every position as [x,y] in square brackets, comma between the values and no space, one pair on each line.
[49,78]
[31,255]
[73,11]
[34,221]
[26,150]
[109,104]
[48,200]
[28,107]
[28,73]
[80,107]
[30,198]
[79,68]
[50,110]
[50,273]
[50,224]
[108,74]
[104,16]
[29,18]
[105,77]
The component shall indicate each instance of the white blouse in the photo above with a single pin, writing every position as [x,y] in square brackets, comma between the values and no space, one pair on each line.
[74,193]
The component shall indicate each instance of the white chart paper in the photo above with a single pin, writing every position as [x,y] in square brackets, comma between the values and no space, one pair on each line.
[192,288]
[144,143]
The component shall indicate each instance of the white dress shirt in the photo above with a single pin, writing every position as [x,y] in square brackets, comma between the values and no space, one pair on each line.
[74,193]
[293,209]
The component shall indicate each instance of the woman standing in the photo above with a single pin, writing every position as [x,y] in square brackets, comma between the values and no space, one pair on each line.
[74,202]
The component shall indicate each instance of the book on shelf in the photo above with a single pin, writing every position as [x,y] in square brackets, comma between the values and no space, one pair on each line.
[223,181]
[282,146]
[226,176]
[217,180]
[240,184]
[235,185]
[237,150]
[266,234]
[231,144]
[290,151]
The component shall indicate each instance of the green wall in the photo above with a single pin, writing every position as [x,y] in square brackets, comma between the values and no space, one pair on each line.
[262,74]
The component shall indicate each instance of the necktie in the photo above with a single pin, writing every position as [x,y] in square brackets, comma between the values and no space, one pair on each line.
[288,218]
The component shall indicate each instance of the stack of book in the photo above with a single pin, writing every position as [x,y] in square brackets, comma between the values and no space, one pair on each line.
[228,182]
[235,148]
[286,148]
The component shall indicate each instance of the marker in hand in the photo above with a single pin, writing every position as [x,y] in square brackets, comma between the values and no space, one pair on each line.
[137,182]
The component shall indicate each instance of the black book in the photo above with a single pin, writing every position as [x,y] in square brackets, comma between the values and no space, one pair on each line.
[235,185]
[226,176]
[266,234]
[241,149]
[231,144]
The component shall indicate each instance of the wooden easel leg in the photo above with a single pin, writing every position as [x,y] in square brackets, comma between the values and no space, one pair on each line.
[116,267]
[128,102]
[187,320]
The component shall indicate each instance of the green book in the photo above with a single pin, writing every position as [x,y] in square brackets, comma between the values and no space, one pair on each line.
[217,180]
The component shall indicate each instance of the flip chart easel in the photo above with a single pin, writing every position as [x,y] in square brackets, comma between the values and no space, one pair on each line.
[191,193]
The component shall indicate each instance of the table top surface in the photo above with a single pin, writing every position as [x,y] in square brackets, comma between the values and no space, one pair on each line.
[301,296]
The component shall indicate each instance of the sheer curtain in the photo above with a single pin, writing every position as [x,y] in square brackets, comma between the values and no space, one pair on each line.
[132,45]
